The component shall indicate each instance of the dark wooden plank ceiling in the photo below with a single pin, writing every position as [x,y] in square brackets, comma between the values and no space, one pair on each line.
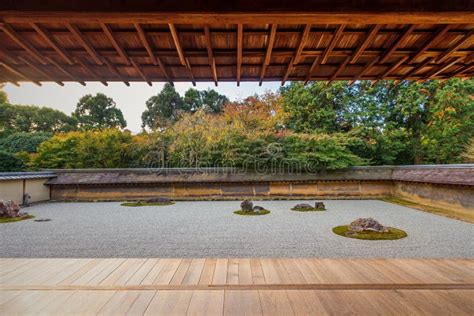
[119,41]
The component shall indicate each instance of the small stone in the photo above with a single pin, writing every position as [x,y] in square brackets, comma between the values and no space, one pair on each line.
[246,206]
[367,224]
[40,220]
[319,206]
[257,208]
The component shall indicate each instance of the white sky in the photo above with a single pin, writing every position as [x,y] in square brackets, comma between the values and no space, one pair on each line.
[131,100]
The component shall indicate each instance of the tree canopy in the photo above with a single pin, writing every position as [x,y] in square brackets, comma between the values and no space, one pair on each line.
[98,112]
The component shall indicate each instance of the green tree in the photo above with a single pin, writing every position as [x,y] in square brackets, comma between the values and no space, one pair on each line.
[9,162]
[3,95]
[164,108]
[209,100]
[21,141]
[98,112]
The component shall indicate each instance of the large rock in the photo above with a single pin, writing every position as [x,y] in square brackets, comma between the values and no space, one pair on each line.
[367,224]
[303,206]
[319,206]
[163,200]
[246,206]
[9,209]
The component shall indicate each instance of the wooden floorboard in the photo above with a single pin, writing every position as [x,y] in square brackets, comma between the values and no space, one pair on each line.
[235,286]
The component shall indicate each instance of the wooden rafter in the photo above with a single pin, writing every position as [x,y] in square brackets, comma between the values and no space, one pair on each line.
[210,54]
[85,43]
[146,43]
[65,71]
[438,35]
[392,68]
[337,35]
[288,70]
[191,75]
[5,55]
[340,68]
[407,32]
[91,71]
[365,42]
[140,72]
[303,40]
[51,42]
[115,71]
[461,71]
[448,52]
[19,73]
[240,37]
[177,43]
[312,68]
[366,68]
[271,41]
[7,29]
[419,67]
[163,69]
[108,32]
[443,68]
[40,71]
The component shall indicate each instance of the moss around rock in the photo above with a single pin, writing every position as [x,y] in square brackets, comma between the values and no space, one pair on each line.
[141,203]
[391,234]
[306,209]
[15,219]
[252,213]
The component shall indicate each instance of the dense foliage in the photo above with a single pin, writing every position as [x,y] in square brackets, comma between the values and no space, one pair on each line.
[300,128]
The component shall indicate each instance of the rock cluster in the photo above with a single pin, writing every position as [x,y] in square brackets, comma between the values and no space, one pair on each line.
[247,206]
[163,200]
[367,224]
[10,209]
[305,206]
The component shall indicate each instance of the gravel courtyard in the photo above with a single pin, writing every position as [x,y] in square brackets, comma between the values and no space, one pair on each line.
[210,229]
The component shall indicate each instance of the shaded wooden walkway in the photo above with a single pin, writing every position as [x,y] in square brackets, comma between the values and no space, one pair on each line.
[236,286]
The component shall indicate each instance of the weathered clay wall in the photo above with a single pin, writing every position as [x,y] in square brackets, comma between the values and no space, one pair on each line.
[15,189]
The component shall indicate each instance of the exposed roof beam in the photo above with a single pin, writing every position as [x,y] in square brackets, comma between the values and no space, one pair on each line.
[455,47]
[163,69]
[115,71]
[240,36]
[463,70]
[5,55]
[210,54]
[179,49]
[65,72]
[438,35]
[85,43]
[191,75]
[266,62]
[364,43]
[311,70]
[408,30]
[419,67]
[40,71]
[340,68]
[108,32]
[145,43]
[19,73]
[392,68]
[21,42]
[91,71]
[288,71]
[366,68]
[332,44]
[303,40]
[49,39]
[140,72]
[443,68]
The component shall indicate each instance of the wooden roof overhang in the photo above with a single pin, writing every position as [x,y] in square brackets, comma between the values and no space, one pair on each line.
[240,40]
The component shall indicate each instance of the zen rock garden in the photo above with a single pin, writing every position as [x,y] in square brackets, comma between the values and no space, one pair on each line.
[247,208]
[369,229]
[158,201]
[10,212]
[305,207]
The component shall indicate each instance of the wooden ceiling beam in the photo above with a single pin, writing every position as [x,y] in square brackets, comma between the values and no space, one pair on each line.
[437,36]
[177,44]
[51,42]
[191,75]
[91,71]
[163,70]
[365,42]
[461,71]
[19,73]
[311,69]
[448,52]
[407,32]
[115,71]
[85,43]
[140,72]
[240,37]
[5,55]
[442,68]
[340,68]
[65,72]
[7,29]
[210,54]
[268,54]
[288,71]
[392,68]
[40,71]
[337,35]
[108,32]
[366,68]
[419,67]
[146,43]
[303,40]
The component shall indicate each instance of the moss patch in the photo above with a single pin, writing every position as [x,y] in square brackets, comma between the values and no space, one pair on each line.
[240,212]
[307,209]
[15,219]
[135,204]
[392,234]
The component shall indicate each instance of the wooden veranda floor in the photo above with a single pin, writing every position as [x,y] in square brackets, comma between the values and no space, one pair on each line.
[236,286]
